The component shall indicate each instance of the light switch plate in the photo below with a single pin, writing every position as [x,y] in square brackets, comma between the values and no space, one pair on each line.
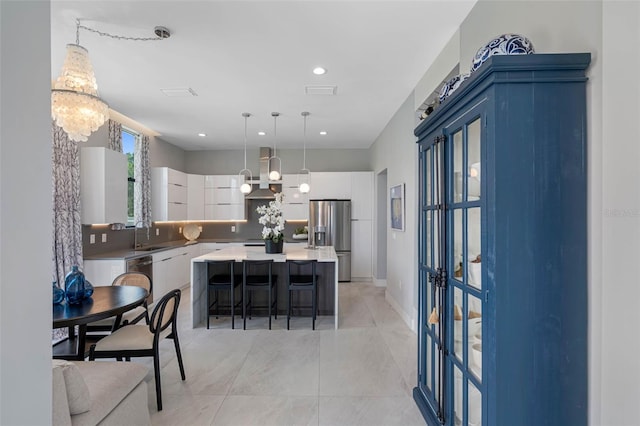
[157,231]
[92,238]
[104,238]
[233,228]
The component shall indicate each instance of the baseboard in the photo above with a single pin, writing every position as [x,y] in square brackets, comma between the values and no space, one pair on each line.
[361,279]
[411,322]
[380,282]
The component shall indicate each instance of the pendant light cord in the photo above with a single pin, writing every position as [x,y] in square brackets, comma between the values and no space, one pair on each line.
[161,34]
[304,140]
[245,115]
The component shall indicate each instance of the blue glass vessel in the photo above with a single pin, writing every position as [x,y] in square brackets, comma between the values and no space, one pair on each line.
[75,286]
[58,293]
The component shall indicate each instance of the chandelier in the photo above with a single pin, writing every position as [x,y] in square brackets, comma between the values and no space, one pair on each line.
[75,104]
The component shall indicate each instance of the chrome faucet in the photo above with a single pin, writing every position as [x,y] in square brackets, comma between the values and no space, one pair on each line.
[135,233]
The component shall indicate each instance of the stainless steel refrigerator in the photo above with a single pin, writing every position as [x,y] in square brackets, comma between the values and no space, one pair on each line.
[330,225]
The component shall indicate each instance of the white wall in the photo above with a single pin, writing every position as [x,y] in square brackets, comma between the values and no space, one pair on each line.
[395,150]
[25,217]
[615,350]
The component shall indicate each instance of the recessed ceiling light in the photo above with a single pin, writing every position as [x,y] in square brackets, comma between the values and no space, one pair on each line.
[323,133]
[202,135]
[261,133]
[319,70]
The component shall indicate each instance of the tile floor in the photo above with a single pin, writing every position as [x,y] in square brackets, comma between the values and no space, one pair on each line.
[361,374]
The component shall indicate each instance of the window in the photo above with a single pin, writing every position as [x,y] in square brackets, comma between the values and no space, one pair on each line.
[129,139]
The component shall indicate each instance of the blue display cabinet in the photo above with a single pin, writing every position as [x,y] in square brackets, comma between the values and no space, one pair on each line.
[503,318]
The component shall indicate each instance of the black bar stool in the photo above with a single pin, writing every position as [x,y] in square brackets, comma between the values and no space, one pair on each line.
[301,276]
[258,276]
[220,274]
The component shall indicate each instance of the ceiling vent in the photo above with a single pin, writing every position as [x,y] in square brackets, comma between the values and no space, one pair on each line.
[183,92]
[320,90]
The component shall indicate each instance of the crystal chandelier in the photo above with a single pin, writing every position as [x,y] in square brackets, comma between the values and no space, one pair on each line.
[75,105]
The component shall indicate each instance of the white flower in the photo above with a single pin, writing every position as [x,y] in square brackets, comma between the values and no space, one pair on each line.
[271,219]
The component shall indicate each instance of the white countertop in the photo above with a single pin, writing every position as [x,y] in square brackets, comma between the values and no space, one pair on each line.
[291,252]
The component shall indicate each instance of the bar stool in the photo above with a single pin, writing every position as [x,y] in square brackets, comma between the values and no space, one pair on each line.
[255,278]
[301,276]
[221,276]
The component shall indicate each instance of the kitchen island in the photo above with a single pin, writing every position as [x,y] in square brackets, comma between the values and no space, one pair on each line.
[327,270]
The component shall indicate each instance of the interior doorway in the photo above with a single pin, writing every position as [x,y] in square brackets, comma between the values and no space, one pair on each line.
[381,229]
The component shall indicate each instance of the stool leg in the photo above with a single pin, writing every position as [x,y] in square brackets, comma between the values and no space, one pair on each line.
[270,295]
[208,306]
[313,297]
[288,307]
[233,303]
[244,307]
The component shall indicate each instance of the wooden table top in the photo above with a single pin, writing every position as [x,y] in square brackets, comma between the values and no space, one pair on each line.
[104,303]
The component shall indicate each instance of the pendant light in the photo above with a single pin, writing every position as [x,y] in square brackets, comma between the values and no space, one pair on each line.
[245,188]
[304,177]
[275,172]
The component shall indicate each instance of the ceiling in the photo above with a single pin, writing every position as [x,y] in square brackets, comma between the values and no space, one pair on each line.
[257,57]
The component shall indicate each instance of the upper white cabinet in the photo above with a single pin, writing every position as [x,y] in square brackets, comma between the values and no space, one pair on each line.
[362,195]
[295,205]
[195,197]
[103,185]
[168,194]
[222,198]
[325,185]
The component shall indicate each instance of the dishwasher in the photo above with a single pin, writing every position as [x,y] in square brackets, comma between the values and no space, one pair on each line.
[143,264]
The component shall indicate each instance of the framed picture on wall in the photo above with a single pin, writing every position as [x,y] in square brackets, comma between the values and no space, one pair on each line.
[396,201]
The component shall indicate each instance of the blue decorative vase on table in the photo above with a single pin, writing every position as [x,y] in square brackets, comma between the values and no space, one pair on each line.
[58,293]
[77,287]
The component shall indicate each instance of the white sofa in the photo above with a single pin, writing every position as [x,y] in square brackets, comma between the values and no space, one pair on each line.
[99,393]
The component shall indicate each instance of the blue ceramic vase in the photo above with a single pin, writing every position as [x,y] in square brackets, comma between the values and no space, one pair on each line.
[58,293]
[77,288]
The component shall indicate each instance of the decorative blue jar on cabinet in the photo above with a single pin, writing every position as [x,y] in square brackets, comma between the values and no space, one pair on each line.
[77,287]
[502,255]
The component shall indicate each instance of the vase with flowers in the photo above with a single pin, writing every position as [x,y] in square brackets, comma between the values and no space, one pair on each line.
[273,224]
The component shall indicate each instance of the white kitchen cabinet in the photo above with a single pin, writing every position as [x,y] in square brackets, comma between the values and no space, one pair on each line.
[295,205]
[330,185]
[168,194]
[223,199]
[103,185]
[361,248]
[102,272]
[362,195]
[171,270]
[195,197]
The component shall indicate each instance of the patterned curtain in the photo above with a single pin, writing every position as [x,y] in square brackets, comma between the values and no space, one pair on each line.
[67,229]
[142,186]
[115,136]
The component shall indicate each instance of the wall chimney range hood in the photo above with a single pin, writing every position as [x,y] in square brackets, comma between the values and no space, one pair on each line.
[265,190]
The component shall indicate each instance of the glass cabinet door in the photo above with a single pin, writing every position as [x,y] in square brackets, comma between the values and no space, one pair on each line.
[464,211]
[431,253]
[450,373]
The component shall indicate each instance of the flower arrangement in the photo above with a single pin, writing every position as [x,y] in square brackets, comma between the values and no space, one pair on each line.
[272,219]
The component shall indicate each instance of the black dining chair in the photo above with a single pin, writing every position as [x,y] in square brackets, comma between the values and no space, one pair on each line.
[221,277]
[257,275]
[302,277]
[143,340]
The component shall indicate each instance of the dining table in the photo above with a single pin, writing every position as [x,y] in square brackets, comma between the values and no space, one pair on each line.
[106,302]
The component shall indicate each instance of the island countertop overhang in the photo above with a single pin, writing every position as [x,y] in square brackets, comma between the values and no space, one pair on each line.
[290,252]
